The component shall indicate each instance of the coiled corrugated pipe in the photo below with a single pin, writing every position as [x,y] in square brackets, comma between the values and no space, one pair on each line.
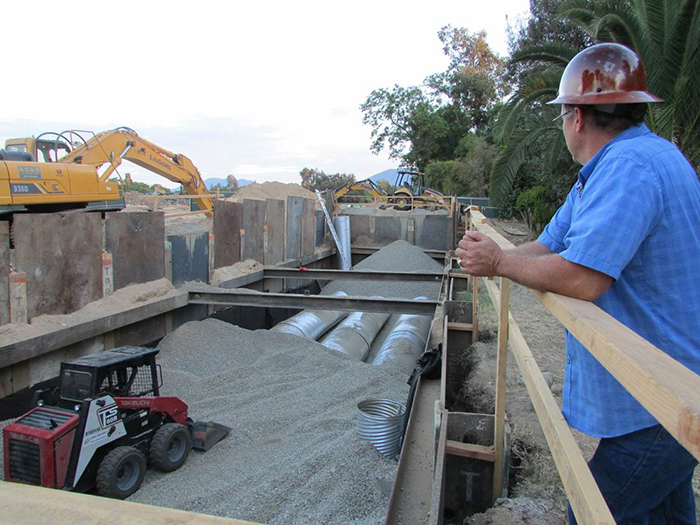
[353,337]
[380,421]
[342,228]
[405,343]
[311,323]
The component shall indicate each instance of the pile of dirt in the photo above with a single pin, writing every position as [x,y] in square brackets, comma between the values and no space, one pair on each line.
[273,190]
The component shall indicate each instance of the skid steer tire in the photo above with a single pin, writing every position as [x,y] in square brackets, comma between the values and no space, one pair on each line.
[121,472]
[170,447]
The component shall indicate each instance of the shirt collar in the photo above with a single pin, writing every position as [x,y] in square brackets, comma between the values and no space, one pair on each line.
[629,133]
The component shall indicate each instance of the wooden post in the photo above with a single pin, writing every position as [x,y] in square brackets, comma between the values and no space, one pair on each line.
[501,363]
[169,261]
[155,201]
[107,275]
[18,297]
[475,309]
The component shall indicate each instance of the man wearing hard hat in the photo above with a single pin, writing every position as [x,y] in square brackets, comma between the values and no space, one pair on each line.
[628,239]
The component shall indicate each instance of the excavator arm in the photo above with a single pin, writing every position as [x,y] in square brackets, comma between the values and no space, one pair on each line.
[111,147]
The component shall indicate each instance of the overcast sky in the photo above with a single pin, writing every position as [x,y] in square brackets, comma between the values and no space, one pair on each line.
[257,89]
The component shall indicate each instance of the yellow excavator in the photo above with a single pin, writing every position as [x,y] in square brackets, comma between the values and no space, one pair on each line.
[410,191]
[73,179]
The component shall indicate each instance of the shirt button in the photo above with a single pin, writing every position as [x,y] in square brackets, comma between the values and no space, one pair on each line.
[568,360]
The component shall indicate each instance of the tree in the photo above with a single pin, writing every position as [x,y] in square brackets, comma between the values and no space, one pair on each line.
[232,182]
[420,125]
[666,36]
[469,174]
[315,179]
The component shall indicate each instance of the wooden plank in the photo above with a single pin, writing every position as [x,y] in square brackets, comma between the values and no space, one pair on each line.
[469,450]
[137,244]
[228,221]
[61,254]
[582,490]
[475,309]
[501,368]
[666,388]
[20,348]
[462,327]
[459,275]
[28,504]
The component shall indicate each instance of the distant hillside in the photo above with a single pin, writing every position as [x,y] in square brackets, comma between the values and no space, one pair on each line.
[213,181]
[387,175]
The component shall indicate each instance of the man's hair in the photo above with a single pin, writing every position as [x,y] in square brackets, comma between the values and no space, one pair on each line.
[614,118]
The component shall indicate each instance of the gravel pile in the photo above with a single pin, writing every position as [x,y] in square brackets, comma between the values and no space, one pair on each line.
[399,256]
[293,455]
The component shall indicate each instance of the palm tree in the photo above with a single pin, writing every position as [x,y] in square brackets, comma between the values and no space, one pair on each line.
[666,36]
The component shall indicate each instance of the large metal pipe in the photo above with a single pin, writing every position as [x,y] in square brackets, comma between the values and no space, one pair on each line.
[354,335]
[342,227]
[405,343]
[311,323]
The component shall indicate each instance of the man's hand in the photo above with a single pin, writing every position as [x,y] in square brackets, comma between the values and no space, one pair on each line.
[479,255]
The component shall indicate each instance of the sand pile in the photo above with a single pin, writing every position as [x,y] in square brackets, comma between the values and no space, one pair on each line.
[293,455]
[273,190]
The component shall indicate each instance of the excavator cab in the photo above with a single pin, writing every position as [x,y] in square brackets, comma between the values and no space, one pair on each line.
[50,149]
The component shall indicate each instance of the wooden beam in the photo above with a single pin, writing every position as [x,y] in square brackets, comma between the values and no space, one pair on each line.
[468,450]
[28,504]
[273,272]
[586,500]
[475,309]
[665,387]
[460,327]
[501,369]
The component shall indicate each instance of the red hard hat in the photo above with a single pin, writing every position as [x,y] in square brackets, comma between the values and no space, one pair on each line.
[604,74]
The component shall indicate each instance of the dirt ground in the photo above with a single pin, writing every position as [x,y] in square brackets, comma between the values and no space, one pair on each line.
[536,493]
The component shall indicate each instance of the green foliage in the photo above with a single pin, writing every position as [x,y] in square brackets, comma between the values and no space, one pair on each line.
[535,207]
[424,125]
[469,173]
[666,36]
[138,187]
[315,179]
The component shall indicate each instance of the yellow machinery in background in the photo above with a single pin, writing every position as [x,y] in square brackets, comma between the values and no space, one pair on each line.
[71,179]
[410,192]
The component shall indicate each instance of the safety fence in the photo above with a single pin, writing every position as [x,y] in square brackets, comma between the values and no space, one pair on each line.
[665,387]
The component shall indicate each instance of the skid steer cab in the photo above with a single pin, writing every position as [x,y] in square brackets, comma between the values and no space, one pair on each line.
[105,422]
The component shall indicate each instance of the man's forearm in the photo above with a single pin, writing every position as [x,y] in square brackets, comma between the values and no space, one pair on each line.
[553,273]
[534,248]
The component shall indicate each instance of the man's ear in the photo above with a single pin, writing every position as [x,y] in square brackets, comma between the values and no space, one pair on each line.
[579,119]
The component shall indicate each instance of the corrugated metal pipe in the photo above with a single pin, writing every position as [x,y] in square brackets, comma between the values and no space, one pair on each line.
[311,323]
[380,421]
[353,337]
[342,228]
[405,343]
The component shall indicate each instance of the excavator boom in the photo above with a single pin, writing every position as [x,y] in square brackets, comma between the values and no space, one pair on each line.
[111,147]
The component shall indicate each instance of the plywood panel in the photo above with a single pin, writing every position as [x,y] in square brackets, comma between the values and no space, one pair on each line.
[137,244]
[228,221]
[308,238]
[62,258]
[253,226]
[274,220]
[4,272]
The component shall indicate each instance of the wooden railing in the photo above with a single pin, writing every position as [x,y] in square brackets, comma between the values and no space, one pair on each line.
[666,388]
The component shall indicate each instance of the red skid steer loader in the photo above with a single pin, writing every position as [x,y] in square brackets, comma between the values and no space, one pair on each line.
[102,425]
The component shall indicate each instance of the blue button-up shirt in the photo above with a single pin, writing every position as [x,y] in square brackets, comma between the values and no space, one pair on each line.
[634,214]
